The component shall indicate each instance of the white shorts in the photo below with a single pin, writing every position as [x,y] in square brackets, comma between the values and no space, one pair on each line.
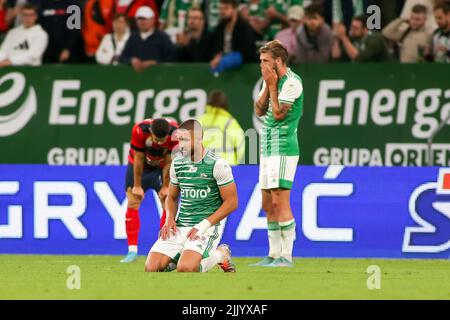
[174,246]
[277,172]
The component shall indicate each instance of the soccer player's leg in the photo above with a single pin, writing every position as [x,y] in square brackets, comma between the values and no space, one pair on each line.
[132,222]
[164,252]
[189,261]
[281,207]
[152,179]
[268,178]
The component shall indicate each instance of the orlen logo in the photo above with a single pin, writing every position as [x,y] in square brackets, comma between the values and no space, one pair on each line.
[12,123]
[429,206]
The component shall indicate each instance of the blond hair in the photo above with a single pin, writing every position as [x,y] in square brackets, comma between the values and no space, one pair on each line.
[276,49]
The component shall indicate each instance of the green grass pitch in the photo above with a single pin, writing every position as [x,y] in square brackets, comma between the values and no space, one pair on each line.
[103,277]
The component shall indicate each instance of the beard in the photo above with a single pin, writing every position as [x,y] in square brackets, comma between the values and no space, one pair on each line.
[225,20]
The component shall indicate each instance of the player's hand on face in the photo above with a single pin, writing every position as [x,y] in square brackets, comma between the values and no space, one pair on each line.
[269,74]
[168,229]
[192,235]
[138,192]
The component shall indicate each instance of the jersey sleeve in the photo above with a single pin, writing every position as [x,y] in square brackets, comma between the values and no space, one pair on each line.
[262,89]
[291,90]
[222,173]
[173,175]
[137,138]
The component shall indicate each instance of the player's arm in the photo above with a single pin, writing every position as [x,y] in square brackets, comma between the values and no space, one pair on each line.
[262,104]
[171,205]
[227,188]
[165,176]
[229,204]
[279,109]
[282,102]
[138,169]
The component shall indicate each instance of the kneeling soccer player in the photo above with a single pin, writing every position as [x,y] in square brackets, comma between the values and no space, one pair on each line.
[208,195]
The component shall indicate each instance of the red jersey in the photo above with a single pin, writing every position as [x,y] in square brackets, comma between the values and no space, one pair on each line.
[141,140]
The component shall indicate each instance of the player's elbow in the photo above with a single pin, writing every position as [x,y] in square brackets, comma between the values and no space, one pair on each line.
[233,204]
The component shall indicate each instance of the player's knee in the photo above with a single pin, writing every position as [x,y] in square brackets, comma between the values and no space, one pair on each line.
[267,207]
[276,206]
[133,201]
[187,267]
[151,267]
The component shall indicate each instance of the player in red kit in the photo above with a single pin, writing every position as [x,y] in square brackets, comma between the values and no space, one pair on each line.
[148,168]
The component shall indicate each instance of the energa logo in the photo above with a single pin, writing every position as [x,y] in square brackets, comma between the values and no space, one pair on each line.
[13,91]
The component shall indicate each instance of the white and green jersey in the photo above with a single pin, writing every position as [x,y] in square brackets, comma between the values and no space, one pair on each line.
[279,138]
[199,184]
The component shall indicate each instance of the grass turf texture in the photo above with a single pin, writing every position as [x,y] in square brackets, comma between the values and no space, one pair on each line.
[103,277]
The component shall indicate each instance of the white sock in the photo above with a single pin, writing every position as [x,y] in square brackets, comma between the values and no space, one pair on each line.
[210,262]
[132,249]
[287,238]
[274,233]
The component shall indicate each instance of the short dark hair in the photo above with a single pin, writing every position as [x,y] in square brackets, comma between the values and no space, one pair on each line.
[361,18]
[234,3]
[160,127]
[420,8]
[120,15]
[218,98]
[30,6]
[314,9]
[444,6]
[191,125]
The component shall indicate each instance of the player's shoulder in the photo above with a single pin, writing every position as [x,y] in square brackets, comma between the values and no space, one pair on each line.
[217,161]
[144,124]
[293,77]
[173,125]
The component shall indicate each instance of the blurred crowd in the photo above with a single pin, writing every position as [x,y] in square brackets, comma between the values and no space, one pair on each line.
[224,33]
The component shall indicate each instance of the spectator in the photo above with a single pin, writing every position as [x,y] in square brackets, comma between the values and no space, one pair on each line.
[3,17]
[276,16]
[112,44]
[253,12]
[234,38]
[361,45]
[288,36]
[222,132]
[97,21]
[314,37]
[173,17]
[25,44]
[148,46]
[440,50]
[130,7]
[430,25]
[194,42]
[211,12]
[64,44]
[410,35]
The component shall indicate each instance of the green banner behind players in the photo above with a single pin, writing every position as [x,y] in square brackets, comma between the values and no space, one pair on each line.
[354,114]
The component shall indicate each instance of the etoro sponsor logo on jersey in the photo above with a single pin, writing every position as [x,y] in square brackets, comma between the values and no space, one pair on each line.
[16,93]
[196,193]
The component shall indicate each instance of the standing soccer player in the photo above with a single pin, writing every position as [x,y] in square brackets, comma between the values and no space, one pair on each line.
[148,168]
[281,101]
[208,196]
